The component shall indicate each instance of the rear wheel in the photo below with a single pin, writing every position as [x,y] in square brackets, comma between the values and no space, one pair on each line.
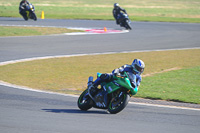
[25,17]
[84,101]
[118,103]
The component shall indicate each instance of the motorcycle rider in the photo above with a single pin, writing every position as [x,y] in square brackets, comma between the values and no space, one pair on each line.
[22,8]
[133,71]
[117,11]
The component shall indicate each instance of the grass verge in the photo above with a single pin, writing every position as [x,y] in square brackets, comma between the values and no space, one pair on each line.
[66,75]
[179,85]
[31,31]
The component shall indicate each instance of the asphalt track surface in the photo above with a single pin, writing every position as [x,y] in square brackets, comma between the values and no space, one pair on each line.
[25,111]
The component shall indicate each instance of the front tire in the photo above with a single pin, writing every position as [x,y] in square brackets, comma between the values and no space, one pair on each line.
[128,26]
[84,101]
[117,104]
[34,16]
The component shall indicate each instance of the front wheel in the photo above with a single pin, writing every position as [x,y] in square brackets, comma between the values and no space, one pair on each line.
[117,104]
[84,101]
[34,16]
[127,25]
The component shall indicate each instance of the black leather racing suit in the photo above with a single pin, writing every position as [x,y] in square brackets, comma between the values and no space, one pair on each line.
[22,7]
[116,12]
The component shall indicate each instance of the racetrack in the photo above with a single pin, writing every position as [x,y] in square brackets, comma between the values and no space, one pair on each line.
[27,111]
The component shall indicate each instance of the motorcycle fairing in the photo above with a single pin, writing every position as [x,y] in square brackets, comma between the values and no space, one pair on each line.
[117,83]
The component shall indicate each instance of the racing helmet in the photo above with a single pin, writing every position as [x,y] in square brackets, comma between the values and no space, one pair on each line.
[116,5]
[138,66]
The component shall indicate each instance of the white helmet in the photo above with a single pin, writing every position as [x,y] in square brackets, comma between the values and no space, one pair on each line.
[138,66]
[116,5]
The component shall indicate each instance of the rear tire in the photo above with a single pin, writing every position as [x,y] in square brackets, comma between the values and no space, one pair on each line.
[25,17]
[84,101]
[116,105]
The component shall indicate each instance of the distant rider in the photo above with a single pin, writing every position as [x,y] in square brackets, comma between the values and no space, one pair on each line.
[133,71]
[117,11]
[22,8]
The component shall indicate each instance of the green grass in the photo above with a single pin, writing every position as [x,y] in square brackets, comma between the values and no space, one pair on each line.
[31,31]
[145,10]
[179,85]
[66,75]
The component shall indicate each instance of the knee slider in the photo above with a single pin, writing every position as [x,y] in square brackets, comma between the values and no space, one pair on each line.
[104,76]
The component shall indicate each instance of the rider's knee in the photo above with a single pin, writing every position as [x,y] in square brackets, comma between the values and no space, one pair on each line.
[106,77]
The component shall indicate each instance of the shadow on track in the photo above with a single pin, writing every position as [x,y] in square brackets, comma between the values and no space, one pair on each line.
[13,20]
[74,111]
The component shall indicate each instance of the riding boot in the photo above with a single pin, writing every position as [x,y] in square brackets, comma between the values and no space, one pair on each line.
[92,88]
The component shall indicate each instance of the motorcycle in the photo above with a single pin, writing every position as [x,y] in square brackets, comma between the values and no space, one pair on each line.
[124,21]
[30,12]
[112,96]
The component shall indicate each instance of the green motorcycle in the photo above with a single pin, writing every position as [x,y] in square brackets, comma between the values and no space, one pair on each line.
[113,95]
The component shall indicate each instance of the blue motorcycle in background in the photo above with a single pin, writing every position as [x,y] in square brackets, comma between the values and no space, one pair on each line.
[124,21]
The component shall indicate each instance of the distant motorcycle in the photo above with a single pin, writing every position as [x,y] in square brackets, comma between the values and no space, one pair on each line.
[30,12]
[113,95]
[124,21]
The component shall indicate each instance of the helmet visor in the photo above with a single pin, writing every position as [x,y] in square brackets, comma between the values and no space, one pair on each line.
[139,69]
